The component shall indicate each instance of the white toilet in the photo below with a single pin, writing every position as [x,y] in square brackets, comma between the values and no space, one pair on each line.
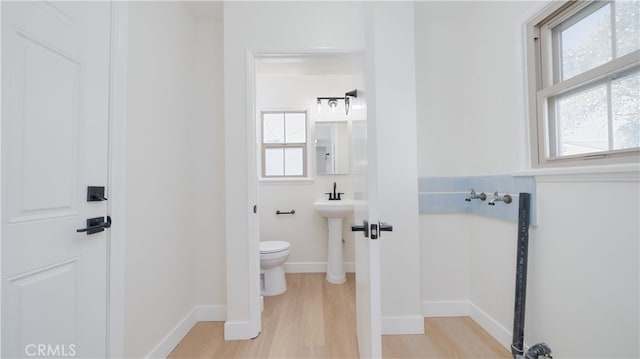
[273,254]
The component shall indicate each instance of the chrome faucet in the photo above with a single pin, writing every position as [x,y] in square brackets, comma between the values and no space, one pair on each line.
[497,198]
[334,196]
[473,195]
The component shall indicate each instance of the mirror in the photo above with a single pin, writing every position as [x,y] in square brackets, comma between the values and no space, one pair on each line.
[332,147]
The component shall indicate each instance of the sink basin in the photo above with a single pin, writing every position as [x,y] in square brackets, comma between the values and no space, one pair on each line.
[334,209]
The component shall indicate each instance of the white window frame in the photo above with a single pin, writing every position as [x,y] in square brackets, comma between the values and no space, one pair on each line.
[303,145]
[541,57]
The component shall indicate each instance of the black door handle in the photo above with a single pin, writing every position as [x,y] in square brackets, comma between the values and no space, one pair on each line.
[363,228]
[95,225]
[380,227]
[384,227]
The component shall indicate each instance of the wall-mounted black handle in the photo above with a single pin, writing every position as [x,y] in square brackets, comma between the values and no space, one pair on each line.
[363,228]
[95,225]
[293,211]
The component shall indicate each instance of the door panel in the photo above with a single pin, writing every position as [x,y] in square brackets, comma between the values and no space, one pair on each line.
[55,95]
[367,251]
[44,134]
[29,321]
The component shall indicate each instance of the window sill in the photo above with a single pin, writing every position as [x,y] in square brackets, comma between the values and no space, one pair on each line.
[605,173]
[297,180]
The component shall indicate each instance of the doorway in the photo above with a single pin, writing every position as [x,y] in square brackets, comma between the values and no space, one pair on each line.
[287,187]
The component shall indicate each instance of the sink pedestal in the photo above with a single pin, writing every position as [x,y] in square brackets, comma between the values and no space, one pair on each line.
[335,262]
[335,211]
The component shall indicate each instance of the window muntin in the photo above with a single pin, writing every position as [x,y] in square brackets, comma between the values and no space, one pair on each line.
[586,78]
[284,147]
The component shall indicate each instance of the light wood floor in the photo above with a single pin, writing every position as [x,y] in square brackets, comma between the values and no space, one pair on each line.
[315,319]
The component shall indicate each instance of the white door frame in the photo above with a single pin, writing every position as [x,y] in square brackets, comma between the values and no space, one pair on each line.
[253,239]
[116,185]
[1,206]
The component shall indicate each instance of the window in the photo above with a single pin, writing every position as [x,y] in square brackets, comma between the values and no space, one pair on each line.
[584,83]
[284,144]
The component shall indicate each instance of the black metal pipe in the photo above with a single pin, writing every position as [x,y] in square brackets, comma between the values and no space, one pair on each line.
[517,346]
[539,350]
[524,207]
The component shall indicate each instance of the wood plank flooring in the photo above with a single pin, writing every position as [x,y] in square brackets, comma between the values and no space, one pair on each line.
[315,319]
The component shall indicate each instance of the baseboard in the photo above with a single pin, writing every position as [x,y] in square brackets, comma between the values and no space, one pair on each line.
[240,330]
[314,267]
[200,313]
[467,309]
[501,334]
[166,345]
[413,324]
[458,308]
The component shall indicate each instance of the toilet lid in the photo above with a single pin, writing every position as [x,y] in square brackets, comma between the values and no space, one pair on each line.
[273,246]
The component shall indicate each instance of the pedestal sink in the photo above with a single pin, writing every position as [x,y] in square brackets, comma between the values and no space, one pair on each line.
[335,211]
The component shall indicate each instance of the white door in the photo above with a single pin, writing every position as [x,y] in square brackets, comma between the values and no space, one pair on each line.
[367,249]
[55,97]
[384,108]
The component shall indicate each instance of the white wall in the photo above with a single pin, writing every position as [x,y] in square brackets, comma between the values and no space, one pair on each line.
[441,31]
[306,230]
[441,72]
[174,259]
[585,274]
[208,158]
[445,258]
[583,263]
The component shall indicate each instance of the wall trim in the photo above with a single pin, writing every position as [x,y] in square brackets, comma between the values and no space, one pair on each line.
[589,177]
[463,308]
[166,344]
[455,308]
[400,325]
[501,334]
[577,171]
[199,313]
[116,183]
[314,267]
[240,330]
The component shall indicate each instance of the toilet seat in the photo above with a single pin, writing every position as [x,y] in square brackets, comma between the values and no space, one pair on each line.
[267,247]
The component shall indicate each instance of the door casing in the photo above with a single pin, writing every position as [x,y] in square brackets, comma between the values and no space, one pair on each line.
[117,179]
